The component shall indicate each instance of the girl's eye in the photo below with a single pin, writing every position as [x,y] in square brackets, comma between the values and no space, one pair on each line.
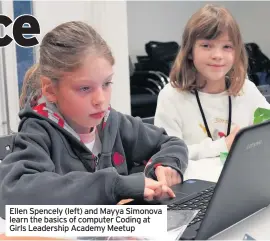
[84,89]
[107,84]
[205,45]
[228,47]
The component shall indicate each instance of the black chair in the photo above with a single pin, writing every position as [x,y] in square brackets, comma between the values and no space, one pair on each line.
[258,65]
[6,146]
[144,89]
[150,75]
[265,90]
[149,79]
[143,105]
[160,56]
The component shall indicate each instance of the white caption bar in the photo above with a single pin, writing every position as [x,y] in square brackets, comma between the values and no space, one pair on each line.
[86,221]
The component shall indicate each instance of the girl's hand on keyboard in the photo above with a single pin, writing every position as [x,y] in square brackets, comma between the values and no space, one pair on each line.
[164,192]
[167,175]
[156,190]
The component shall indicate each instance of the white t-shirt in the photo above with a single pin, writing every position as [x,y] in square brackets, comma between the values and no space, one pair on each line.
[92,141]
[90,145]
[179,114]
[95,145]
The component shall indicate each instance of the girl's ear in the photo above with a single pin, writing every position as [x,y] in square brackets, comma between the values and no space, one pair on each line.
[190,56]
[48,89]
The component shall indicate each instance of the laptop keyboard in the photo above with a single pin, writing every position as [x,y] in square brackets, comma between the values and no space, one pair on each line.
[200,202]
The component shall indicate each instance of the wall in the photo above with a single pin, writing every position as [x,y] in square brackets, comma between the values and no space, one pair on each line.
[3,113]
[165,21]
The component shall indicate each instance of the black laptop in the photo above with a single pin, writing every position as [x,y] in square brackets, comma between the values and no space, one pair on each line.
[242,189]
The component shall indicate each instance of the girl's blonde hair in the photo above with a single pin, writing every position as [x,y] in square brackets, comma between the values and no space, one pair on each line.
[209,22]
[63,50]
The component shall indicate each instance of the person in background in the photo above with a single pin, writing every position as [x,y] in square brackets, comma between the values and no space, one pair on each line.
[209,97]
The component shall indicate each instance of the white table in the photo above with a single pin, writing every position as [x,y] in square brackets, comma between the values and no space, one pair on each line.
[205,169]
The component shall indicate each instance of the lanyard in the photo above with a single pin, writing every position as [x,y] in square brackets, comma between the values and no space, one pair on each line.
[204,119]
